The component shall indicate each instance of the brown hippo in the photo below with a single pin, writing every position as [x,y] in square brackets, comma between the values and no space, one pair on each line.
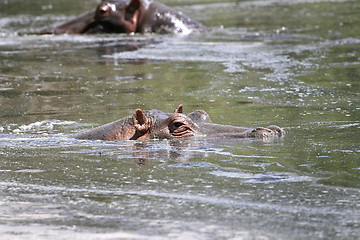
[128,16]
[155,124]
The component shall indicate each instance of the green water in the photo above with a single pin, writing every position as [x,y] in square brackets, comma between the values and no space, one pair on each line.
[295,64]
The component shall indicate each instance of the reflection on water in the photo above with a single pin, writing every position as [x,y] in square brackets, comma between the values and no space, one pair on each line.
[294,64]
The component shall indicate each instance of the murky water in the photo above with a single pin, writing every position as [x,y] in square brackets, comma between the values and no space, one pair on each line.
[291,63]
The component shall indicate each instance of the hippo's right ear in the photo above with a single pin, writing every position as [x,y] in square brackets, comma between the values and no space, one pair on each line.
[179,109]
[141,122]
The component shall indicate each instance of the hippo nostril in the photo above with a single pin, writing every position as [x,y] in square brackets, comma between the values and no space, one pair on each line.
[103,9]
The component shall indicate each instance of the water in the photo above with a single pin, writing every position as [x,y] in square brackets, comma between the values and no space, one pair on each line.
[294,64]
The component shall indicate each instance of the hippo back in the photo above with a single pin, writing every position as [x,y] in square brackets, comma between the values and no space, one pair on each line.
[199,117]
[160,18]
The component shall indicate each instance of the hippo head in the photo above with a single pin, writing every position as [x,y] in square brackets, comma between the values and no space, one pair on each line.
[155,124]
[119,16]
[176,125]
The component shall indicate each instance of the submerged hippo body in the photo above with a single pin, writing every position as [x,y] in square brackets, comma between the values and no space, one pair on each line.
[155,124]
[128,16]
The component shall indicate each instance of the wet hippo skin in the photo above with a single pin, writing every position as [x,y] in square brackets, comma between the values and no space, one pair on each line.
[128,16]
[155,124]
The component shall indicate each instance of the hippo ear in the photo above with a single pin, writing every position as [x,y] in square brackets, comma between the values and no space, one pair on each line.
[179,109]
[141,122]
[133,6]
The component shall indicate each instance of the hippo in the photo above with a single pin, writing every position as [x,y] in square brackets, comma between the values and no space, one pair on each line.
[155,124]
[129,16]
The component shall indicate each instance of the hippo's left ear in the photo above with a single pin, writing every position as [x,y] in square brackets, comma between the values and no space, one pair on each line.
[179,109]
[133,6]
[141,122]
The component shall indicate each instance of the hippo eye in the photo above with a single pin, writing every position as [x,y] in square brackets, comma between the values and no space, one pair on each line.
[112,6]
[178,124]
